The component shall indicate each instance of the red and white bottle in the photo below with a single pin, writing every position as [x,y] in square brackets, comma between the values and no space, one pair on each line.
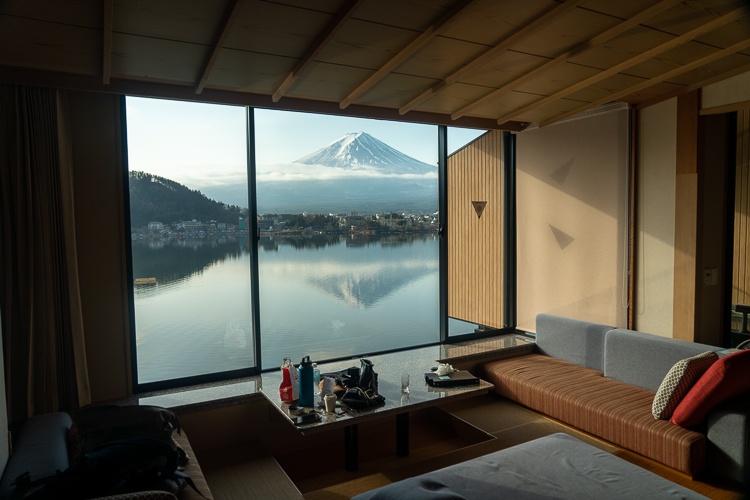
[288,390]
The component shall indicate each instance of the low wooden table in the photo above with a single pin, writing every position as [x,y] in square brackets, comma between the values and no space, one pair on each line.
[398,403]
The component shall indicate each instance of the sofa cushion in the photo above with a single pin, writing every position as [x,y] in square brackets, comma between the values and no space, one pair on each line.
[642,359]
[572,340]
[614,411]
[727,378]
[678,381]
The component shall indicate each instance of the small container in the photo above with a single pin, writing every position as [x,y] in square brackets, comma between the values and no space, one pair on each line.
[316,378]
[330,403]
[328,384]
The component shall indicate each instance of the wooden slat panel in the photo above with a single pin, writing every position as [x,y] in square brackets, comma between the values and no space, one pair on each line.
[475,245]
[741,260]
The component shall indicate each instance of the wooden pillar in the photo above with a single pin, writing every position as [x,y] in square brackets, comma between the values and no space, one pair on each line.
[686,217]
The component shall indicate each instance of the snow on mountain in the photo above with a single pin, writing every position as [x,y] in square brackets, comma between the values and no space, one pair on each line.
[360,150]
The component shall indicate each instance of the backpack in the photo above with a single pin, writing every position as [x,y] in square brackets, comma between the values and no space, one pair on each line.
[117,467]
[113,450]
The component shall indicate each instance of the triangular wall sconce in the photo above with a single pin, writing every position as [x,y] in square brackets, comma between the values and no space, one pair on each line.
[479,207]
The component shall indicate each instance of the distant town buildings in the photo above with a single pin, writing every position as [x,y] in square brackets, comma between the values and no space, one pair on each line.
[352,223]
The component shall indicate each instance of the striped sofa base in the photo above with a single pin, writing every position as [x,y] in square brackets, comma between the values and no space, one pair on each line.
[614,411]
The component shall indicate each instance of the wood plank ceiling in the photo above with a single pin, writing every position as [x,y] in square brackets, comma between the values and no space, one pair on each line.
[478,63]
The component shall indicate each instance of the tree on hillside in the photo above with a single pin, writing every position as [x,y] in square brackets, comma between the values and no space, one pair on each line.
[155,198]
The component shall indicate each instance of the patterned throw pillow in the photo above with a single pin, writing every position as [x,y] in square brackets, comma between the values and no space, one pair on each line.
[726,379]
[678,382]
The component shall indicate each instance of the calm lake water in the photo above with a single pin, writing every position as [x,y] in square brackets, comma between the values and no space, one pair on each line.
[325,296]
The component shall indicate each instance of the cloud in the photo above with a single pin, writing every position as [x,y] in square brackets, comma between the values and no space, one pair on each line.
[303,172]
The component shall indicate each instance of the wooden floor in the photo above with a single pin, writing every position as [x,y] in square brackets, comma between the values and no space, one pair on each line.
[464,430]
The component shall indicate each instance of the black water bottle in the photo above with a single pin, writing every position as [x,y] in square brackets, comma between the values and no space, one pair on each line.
[306,394]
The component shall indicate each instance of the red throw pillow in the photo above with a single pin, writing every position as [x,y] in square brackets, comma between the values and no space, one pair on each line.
[726,378]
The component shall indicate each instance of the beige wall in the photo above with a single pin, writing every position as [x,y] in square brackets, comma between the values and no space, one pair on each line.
[730,91]
[100,236]
[655,230]
[572,218]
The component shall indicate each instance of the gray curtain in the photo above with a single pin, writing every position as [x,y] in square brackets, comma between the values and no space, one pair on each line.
[42,322]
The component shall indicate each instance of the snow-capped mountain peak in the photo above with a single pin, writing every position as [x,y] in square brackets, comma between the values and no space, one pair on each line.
[360,150]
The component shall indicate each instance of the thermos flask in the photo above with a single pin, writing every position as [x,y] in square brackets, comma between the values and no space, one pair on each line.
[306,394]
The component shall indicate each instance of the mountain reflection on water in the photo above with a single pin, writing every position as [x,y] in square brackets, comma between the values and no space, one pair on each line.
[357,280]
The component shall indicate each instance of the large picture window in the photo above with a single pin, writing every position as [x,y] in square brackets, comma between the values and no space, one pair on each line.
[340,219]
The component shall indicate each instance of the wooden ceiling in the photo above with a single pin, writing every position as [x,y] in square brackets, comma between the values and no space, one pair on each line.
[477,63]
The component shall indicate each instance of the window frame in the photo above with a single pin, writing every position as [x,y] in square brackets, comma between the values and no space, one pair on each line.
[443,335]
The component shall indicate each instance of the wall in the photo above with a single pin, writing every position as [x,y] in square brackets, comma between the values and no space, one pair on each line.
[655,195]
[100,232]
[732,91]
[681,195]
[572,219]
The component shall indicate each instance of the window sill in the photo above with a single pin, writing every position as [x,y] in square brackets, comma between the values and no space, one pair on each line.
[238,391]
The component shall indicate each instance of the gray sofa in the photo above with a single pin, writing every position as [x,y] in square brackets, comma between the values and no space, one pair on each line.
[602,380]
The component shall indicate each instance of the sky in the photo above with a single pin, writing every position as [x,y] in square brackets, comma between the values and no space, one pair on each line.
[203,145]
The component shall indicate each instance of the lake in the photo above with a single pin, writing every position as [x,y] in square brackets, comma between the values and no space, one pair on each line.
[327,296]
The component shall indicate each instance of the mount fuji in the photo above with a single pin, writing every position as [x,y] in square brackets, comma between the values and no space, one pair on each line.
[361,151]
[363,174]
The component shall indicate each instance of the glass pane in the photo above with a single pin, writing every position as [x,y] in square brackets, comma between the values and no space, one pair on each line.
[191,264]
[348,257]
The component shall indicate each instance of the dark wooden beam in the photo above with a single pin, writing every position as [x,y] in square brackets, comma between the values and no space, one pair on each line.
[315,48]
[226,27]
[107,22]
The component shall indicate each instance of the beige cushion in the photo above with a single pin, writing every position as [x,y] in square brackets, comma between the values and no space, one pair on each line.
[678,381]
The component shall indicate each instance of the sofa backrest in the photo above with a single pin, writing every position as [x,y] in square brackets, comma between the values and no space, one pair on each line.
[572,340]
[643,359]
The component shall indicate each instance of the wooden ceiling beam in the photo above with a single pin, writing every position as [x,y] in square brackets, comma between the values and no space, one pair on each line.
[598,40]
[69,81]
[450,17]
[633,61]
[500,47]
[312,52]
[107,22]
[737,47]
[229,18]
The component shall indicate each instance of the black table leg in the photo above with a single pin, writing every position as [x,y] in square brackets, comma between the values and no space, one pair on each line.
[351,452]
[402,434]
